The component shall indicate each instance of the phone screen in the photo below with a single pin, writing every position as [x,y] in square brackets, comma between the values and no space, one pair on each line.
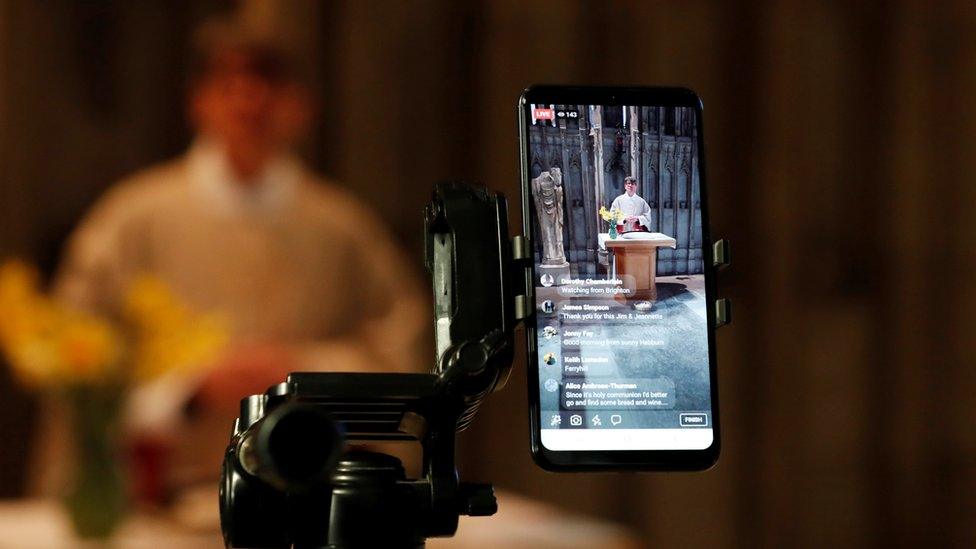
[622,331]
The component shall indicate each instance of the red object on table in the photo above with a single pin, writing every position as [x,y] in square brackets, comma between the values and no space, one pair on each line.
[148,465]
[638,228]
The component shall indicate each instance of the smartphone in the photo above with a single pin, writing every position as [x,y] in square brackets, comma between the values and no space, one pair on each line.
[621,344]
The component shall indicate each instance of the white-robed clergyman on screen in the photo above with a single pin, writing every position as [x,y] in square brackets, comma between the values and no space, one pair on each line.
[637,213]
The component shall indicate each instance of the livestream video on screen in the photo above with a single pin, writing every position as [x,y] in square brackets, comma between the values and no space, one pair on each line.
[620,288]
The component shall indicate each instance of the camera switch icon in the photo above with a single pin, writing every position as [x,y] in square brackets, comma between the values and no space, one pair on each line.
[615,419]
[576,419]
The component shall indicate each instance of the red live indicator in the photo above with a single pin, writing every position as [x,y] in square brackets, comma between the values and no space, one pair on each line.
[544,114]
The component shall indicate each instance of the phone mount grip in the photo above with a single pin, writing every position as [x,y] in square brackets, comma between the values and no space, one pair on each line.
[721,259]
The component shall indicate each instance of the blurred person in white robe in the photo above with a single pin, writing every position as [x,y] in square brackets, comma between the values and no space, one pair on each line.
[637,213]
[306,274]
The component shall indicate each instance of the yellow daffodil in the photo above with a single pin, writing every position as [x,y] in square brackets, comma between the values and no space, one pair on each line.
[50,345]
[169,337]
[611,215]
[89,348]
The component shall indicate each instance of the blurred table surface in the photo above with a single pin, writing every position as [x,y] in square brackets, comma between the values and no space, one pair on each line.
[519,523]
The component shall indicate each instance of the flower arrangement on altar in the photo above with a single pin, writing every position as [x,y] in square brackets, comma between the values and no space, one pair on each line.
[52,346]
[613,217]
[88,361]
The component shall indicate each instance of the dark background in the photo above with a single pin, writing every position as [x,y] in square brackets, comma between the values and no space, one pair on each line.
[839,142]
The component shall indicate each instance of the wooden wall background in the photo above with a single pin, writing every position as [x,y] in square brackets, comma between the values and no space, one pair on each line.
[840,139]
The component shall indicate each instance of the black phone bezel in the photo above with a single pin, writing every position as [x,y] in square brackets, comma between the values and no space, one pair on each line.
[619,460]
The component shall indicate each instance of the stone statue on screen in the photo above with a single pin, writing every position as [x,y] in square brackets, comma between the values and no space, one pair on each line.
[547,191]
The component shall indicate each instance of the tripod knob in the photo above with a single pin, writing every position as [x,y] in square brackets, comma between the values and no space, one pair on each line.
[477,500]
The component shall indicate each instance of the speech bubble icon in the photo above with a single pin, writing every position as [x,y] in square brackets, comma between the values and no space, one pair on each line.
[615,419]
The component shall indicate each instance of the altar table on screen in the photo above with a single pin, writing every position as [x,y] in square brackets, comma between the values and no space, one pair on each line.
[635,259]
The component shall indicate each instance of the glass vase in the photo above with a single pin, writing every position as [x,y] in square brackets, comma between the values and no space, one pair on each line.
[613,230]
[96,499]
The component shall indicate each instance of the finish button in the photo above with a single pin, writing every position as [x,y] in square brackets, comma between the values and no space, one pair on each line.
[694,420]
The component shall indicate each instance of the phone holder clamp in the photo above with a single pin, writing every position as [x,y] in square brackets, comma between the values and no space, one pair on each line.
[721,259]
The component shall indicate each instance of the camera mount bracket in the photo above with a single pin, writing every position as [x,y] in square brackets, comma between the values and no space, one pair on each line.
[286,481]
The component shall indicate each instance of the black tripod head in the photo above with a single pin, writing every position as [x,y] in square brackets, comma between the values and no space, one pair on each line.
[287,480]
